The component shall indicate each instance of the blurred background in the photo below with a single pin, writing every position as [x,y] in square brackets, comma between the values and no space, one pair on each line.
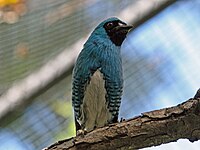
[160,59]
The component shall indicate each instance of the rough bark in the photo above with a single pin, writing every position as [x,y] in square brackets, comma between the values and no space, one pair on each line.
[149,129]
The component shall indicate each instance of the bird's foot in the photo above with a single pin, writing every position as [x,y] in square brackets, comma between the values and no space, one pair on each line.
[122,119]
[81,132]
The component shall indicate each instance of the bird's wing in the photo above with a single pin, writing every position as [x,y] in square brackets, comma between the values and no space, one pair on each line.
[113,97]
[113,77]
[85,66]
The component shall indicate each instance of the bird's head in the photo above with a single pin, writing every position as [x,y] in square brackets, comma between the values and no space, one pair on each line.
[114,29]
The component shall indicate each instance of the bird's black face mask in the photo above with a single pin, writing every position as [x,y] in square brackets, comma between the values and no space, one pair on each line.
[117,31]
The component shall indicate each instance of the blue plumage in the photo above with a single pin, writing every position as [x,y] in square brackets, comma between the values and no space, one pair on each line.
[97,76]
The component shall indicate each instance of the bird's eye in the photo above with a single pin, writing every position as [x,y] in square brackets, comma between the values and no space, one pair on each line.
[109,25]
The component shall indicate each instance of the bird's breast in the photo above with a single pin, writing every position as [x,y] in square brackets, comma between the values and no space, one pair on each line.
[94,109]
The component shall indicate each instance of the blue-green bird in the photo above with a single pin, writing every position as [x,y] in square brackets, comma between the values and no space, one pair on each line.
[98,77]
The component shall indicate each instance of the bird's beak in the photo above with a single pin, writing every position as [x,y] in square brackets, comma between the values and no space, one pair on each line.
[124,28]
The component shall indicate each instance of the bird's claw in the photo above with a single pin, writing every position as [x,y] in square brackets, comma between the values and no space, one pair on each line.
[81,133]
[122,119]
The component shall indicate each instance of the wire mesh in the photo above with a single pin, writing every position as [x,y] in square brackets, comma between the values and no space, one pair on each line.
[48,28]
[160,59]
[44,31]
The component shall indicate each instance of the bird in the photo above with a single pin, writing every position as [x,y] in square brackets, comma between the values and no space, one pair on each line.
[97,78]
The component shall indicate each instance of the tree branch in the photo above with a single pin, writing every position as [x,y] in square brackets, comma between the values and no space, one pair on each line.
[149,129]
